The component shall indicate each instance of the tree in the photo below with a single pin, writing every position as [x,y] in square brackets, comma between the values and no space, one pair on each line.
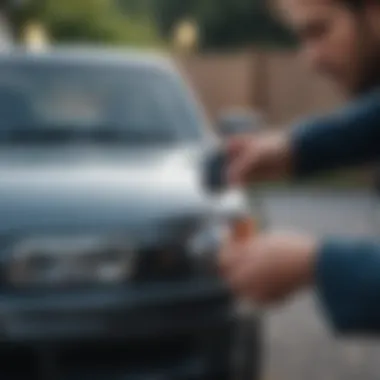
[97,21]
[223,23]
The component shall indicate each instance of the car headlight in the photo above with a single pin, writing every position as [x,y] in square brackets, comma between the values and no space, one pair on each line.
[205,245]
[69,260]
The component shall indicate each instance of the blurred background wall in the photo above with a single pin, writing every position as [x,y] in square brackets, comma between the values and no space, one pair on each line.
[275,82]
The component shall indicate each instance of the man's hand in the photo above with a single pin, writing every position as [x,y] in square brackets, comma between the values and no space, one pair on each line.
[261,157]
[270,267]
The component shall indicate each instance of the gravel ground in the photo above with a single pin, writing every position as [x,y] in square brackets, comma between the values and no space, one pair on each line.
[300,344]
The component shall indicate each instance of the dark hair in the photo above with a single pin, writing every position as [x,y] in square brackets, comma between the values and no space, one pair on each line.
[354,4]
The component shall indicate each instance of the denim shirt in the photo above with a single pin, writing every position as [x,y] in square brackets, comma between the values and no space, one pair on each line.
[350,136]
[347,271]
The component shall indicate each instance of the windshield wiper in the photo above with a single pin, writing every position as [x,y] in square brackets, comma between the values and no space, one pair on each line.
[137,136]
[63,134]
[37,135]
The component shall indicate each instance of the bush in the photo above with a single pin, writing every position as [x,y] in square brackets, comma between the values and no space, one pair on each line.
[98,21]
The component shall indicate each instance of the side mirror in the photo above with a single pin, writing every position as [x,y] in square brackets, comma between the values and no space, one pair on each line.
[235,122]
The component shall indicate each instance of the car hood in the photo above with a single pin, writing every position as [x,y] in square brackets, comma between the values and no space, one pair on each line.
[89,188]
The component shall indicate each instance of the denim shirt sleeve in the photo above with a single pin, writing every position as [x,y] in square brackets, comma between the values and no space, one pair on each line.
[348,137]
[348,284]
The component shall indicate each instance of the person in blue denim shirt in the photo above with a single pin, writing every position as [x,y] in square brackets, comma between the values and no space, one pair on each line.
[340,38]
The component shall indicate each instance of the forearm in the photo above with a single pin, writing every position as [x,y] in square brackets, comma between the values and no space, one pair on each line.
[349,137]
[348,283]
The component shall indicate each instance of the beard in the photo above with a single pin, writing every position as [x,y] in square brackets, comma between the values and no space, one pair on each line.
[368,68]
[369,77]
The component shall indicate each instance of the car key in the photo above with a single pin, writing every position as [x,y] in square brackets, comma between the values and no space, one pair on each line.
[215,170]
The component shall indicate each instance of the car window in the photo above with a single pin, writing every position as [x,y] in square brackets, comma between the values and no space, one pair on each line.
[129,103]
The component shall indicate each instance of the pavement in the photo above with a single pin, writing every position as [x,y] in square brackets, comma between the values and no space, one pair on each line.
[299,341]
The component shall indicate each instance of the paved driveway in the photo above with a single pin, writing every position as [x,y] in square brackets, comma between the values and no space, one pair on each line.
[300,345]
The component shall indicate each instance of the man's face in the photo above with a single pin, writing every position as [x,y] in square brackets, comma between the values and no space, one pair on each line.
[337,41]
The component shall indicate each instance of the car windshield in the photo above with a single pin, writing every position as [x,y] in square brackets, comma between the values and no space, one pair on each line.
[112,103]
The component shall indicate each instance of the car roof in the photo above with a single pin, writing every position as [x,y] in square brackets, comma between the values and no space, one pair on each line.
[92,55]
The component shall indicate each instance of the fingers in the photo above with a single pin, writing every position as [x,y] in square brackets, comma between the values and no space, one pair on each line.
[240,269]
[228,258]
[235,145]
[235,259]
[241,168]
[240,279]
[242,159]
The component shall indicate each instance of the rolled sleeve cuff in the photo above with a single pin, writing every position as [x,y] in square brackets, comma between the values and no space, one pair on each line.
[348,284]
[349,136]
[313,147]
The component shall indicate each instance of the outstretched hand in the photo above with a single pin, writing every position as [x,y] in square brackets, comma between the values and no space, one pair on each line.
[270,267]
[262,157]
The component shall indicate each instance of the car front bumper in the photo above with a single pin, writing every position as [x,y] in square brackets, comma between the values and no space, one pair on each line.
[161,331]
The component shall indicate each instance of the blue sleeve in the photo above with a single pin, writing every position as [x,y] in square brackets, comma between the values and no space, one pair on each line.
[348,137]
[348,283]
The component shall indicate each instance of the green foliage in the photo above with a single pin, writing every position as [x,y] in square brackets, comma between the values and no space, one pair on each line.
[223,23]
[98,21]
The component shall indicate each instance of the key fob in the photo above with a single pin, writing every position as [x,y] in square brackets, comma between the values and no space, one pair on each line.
[215,171]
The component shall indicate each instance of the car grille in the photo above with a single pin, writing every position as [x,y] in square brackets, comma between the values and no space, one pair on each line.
[103,360]
[167,263]
[133,359]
